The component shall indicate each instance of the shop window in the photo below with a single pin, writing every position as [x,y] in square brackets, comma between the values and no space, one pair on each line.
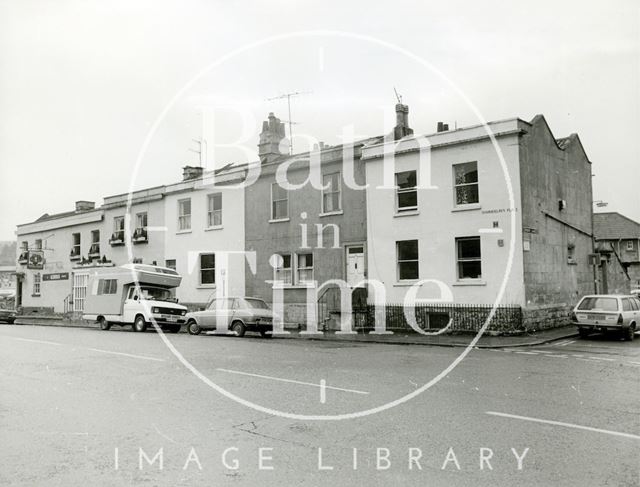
[408,266]
[469,258]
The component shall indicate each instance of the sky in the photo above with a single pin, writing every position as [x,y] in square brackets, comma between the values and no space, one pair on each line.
[83,84]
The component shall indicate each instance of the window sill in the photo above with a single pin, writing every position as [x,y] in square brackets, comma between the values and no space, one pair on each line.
[399,214]
[180,232]
[331,213]
[470,282]
[407,283]
[216,227]
[279,220]
[294,286]
[473,206]
[206,286]
[35,295]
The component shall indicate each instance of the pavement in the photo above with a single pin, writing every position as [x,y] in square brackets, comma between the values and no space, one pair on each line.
[397,338]
[81,406]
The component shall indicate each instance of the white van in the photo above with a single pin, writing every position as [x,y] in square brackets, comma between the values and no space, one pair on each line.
[136,295]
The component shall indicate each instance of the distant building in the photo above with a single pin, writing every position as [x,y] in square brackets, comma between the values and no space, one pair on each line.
[622,235]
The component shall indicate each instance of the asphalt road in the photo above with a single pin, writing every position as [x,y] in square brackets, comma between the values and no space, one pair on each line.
[86,407]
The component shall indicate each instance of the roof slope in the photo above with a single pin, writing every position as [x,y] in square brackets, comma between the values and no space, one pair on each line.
[614,226]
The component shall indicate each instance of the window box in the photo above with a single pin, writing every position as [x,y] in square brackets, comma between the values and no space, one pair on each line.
[332,213]
[23,259]
[117,238]
[74,255]
[140,236]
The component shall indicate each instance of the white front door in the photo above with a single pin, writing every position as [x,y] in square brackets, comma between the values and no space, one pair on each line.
[355,265]
[79,291]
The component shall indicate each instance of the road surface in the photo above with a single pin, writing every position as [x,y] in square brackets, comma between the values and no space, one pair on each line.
[80,406]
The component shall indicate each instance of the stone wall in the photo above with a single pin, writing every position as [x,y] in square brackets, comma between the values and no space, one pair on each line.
[545,317]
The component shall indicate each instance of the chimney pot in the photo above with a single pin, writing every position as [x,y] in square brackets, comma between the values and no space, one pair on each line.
[84,205]
[191,172]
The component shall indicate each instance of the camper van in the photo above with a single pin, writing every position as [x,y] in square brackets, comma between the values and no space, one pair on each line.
[136,295]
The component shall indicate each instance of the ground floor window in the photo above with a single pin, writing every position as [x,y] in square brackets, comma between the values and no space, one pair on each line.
[469,258]
[282,269]
[304,273]
[207,269]
[36,284]
[408,267]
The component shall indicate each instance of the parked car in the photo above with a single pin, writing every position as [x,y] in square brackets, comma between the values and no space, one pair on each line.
[635,292]
[235,314]
[607,312]
[7,315]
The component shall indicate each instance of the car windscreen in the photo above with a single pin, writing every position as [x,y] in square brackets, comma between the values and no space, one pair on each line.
[256,304]
[598,304]
[156,293]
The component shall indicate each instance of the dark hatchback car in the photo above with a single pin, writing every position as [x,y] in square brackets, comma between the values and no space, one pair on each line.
[7,315]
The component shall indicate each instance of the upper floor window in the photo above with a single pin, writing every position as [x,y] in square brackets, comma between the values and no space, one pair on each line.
[331,193]
[170,263]
[38,244]
[469,258]
[279,202]
[184,214]
[214,210]
[207,269]
[95,242]
[408,263]
[282,271]
[141,220]
[24,246]
[75,245]
[118,228]
[629,244]
[406,191]
[465,180]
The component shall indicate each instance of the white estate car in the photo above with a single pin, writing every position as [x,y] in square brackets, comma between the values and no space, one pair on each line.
[607,312]
[235,314]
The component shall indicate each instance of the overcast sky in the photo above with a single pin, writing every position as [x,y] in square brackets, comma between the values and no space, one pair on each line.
[83,82]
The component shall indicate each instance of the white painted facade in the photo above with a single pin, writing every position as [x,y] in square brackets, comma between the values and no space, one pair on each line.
[186,246]
[437,222]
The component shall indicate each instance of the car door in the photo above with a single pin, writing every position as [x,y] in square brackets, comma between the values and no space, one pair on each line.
[223,312]
[208,317]
[131,306]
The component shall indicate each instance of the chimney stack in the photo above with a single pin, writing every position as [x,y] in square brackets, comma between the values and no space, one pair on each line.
[83,205]
[270,138]
[402,122]
[442,127]
[191,172]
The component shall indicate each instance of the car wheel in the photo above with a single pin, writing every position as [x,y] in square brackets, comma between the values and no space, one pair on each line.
[238,328]
[193,328]
[10,321]
[583,332]
[104,324]
[631,332]
[140,325]
[266,334]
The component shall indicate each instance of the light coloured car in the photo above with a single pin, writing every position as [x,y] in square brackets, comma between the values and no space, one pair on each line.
[607,312]
[235,314]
